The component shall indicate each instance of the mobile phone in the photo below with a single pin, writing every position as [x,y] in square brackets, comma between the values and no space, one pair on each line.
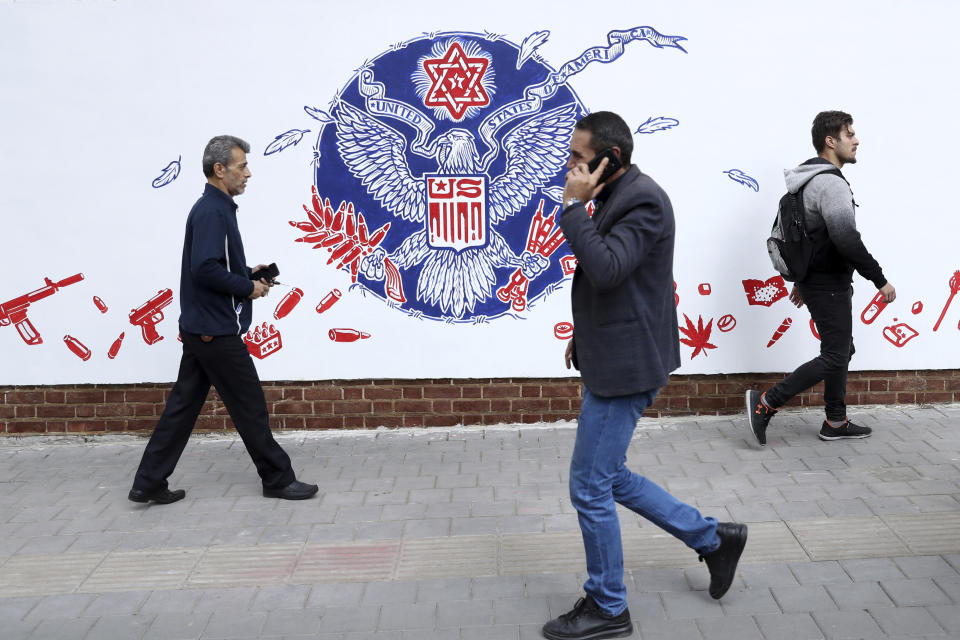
[269,273]
[613,163]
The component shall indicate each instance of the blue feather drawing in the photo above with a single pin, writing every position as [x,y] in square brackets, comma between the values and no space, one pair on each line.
[739,176]
[662,123]
[169,174]
[284,140]
[318,114]
[530,45]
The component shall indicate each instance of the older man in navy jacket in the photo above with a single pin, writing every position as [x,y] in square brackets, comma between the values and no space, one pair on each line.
[625,345]
[216,300]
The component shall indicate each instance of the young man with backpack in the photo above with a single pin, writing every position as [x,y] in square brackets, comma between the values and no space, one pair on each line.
[834,250]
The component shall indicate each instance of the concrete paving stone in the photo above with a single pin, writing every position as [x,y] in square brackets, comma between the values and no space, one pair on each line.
[690,604]
[412,511]
[189,538]
[798,510]
[953,559]
[42,545]
[119,603]
[353,514]
[332,532]
[906,621]
[334,594]
[378,484]
[495,632]
[948,616]
[291,622]
[520,524]
[60,628]
[925,566]
[430,497]
[171,601]
[656,580]
[456,480]
[267,517]
[872,569]
[60,606]
[430,528]
[730,628]
[398,496]
[443,589]
[430,634]
[740,601]
[520,611]
[473,526]
[951,586]
[755,512]
[669,630]
[17,629]
[767,575]
[552,584]
[448,510]
[378,593]
[493,508]
[891,506]
[788,626]
[237,536]
[283,596]
[454,614]
[516,493]
[415,482]
[858,596]
[379,530]
[914,592]
[234,623]
[127,627]
[804,598]
[848,508]
[837,625]
[235,599]
[358,620]
[177,626]
[824,572]
[566,522]
[496,587]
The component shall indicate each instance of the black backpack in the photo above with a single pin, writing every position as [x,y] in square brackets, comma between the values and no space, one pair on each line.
[790,247]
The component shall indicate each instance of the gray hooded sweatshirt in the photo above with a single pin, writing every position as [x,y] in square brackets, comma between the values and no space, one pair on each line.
[829,206]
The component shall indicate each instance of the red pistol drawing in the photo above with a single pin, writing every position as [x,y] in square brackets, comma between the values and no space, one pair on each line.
[149,314]
[15,311]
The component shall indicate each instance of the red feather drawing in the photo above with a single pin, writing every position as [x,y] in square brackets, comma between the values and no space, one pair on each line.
[697,336]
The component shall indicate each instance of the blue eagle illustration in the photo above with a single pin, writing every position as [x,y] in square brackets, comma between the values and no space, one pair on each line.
[455,281]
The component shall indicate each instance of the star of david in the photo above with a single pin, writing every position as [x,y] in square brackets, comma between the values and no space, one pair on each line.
[457,81]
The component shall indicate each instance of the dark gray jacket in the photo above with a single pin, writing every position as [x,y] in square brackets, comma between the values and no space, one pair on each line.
[625,322]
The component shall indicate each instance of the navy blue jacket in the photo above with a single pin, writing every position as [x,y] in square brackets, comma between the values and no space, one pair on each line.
[624,318]
[214,277]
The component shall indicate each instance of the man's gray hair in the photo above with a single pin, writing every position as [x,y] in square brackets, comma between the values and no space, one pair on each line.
[220,149]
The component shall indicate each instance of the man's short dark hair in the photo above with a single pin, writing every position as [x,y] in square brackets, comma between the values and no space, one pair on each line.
[607,129]
[220,149]
[828,123]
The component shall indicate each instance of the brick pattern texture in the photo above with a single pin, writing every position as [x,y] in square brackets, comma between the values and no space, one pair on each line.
[358,404]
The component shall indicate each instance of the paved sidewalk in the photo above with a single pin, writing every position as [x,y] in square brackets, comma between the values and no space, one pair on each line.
[468,533]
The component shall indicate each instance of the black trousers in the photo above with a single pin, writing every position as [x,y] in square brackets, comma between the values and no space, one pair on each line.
[225,363]
[832,312]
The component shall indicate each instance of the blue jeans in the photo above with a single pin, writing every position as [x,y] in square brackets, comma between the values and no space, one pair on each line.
[599,477]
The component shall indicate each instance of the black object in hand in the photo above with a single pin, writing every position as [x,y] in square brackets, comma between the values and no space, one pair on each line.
[613,164]
[269,273]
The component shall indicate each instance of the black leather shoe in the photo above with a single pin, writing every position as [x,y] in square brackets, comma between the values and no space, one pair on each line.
[160,497]
[722,562]
[587,622]
[296,490]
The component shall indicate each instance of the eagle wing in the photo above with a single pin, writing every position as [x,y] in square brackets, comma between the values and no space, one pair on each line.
[535,152]
[373,152]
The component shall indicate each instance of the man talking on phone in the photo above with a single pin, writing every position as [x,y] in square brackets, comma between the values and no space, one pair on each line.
[625,344]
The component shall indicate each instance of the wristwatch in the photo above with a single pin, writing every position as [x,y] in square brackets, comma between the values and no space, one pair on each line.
[570,202]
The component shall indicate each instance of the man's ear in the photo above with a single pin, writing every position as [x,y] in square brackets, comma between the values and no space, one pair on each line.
[830,142]
[616,151]
[219,170]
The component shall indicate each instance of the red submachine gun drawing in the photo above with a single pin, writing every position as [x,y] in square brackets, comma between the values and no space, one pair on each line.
[543,238]
[149,314]
[15,311]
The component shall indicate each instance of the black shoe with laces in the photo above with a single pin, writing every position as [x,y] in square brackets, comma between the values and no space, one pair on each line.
[758,416]
[587,622]
[847,430]
[722,561]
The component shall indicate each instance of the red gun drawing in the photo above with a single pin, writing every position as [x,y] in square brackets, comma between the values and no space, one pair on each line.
[15,311]
[147,315]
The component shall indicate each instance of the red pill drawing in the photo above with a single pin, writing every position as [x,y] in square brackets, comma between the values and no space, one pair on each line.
[115,347]
[348,335]
[100,305]
[287,303]
[563,331]
[873,309]
[704,288]
[329,300]
[726,323]
[79,349]
[782,329]
[917,307]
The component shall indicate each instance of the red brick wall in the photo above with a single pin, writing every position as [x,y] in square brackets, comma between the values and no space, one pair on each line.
[355,404]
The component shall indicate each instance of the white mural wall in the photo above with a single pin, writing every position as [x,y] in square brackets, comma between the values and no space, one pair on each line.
[407,162]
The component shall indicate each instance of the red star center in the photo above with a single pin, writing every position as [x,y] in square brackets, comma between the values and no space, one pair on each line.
[457,81]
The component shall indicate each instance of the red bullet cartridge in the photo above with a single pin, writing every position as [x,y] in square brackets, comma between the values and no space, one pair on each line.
[115,347]
[348,335]
[79,349]
[329,300]
[100,304]
[287,303]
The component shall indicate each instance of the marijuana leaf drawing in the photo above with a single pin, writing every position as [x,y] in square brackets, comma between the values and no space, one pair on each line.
[697,336]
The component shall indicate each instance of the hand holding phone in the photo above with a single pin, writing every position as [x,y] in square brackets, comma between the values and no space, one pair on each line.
[613,164]
[269,273]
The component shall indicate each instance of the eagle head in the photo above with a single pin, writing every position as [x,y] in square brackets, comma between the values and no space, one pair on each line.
[457,152]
